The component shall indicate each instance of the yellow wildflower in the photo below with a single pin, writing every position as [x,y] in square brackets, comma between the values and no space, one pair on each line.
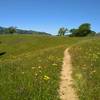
[54,64]
[46,77]
[39,67]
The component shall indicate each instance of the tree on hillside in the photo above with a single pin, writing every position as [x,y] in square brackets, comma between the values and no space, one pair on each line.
[11,30]
[83,30]
[73,31]
[93,33]
[62,31]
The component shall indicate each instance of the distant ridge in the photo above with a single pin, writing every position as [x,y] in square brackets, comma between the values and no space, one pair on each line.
[21,31]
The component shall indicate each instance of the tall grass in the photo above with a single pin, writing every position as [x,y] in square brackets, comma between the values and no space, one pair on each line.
[86,68]
[30,68]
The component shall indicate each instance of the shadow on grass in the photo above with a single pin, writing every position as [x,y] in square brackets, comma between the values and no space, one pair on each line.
[2,53]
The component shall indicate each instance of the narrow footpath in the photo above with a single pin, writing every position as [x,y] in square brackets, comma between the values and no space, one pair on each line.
[67,92]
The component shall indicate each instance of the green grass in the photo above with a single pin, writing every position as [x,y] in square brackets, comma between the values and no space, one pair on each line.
[86,68]
[30,68]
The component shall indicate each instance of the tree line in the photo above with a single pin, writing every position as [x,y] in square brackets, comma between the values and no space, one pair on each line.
[15,30]
[83,30]
[9,30]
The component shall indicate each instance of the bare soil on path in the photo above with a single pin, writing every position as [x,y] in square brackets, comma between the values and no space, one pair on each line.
[67,92]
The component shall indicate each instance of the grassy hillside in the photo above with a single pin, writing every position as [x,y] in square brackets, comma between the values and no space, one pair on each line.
[86,68]
[31,65]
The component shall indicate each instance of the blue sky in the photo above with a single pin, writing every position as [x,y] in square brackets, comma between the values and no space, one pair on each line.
[49,15]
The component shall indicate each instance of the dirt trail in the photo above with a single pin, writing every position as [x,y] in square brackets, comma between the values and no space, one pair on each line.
[66,91]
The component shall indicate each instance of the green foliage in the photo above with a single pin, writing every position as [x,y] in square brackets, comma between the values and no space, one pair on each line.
[11,30]
[62,31]
[85,26]
[93,33]
[74,32]
[83,30]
